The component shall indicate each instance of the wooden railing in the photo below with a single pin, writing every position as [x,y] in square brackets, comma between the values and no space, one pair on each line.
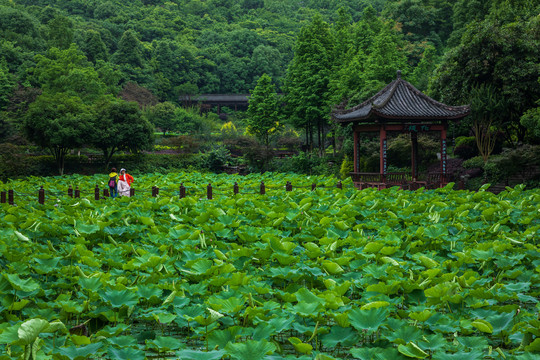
[402,179]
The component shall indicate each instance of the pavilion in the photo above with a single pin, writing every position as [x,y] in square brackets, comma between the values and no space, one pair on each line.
[400,107]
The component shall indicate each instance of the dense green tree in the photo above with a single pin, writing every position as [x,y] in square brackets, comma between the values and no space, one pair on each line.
[7,84]
[531,120]
[60,32]
[119,125]
[262,111]
[422,73]
[67,71]
[163,116]
[129,50]
[266,60]
[21,28]
[58,122]
[504,57]
[308,78]
[93,46]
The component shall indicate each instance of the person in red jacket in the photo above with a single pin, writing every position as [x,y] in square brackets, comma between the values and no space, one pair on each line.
[124,183]
[126,177]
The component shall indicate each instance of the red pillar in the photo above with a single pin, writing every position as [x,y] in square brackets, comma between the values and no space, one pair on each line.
[414,155]
[383,165]
[443,155]
[356,165]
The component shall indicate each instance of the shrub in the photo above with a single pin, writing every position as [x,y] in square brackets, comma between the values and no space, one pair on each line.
[183,144]
[217,158]
[347,166]
[466,147]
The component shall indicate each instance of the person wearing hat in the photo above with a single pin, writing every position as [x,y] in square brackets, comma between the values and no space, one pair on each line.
[124,183]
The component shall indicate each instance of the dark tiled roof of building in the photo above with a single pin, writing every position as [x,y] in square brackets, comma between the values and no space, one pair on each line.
[400,100]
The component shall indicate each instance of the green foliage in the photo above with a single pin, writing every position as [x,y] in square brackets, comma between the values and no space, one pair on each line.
[120,125]
[466,147]
[58,122]
[347,166]
[503,57]
[308,77]
[217,158]
[262,112]
[68,71]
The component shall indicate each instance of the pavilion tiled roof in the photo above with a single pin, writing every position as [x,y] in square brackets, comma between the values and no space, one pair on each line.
[399,100]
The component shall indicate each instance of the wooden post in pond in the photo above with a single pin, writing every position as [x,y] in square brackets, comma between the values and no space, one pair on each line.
[70,191]
[41,195]
[3,197]
[106,193]
[77,192]
[288,187]
[182,191]
[96,193]
[209,191]
[154,191]
[236,189]
[339,185]
[263,188]
[313,187]
[131,192]
[11,199]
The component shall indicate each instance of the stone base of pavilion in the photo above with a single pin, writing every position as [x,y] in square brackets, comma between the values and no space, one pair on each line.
[403,180]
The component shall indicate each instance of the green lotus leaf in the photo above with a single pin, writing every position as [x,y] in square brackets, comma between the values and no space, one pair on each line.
[10,334]
[212,317]
[148,221]
[201,355]
[436,231]
[221,338]
[80,352]
[119,298]
[483,325]
[421,316]
[432,342]
[412,350]
[366,353]
[460,355]
[304,295]
[123,341]
[127,353]
[110,331]
[91,283]
[374,305]
[332,267]
[368,319]
[164,318]
[250,350]
[230,306]
[30,330]
[533,346]
[301,347]
[404,335]
[473,342]
[307,309]
[147,291]
[80,340]
[26,285]
[164,343]
[87,228]
[340,335]
[281,323]
[263,331]
[18,305]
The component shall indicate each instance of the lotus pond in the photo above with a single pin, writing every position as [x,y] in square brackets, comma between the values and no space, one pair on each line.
[323,274]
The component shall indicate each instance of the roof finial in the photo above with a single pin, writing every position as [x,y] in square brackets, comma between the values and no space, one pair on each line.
[399,74]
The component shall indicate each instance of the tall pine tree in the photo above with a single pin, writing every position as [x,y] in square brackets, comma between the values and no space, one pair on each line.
[307,80]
